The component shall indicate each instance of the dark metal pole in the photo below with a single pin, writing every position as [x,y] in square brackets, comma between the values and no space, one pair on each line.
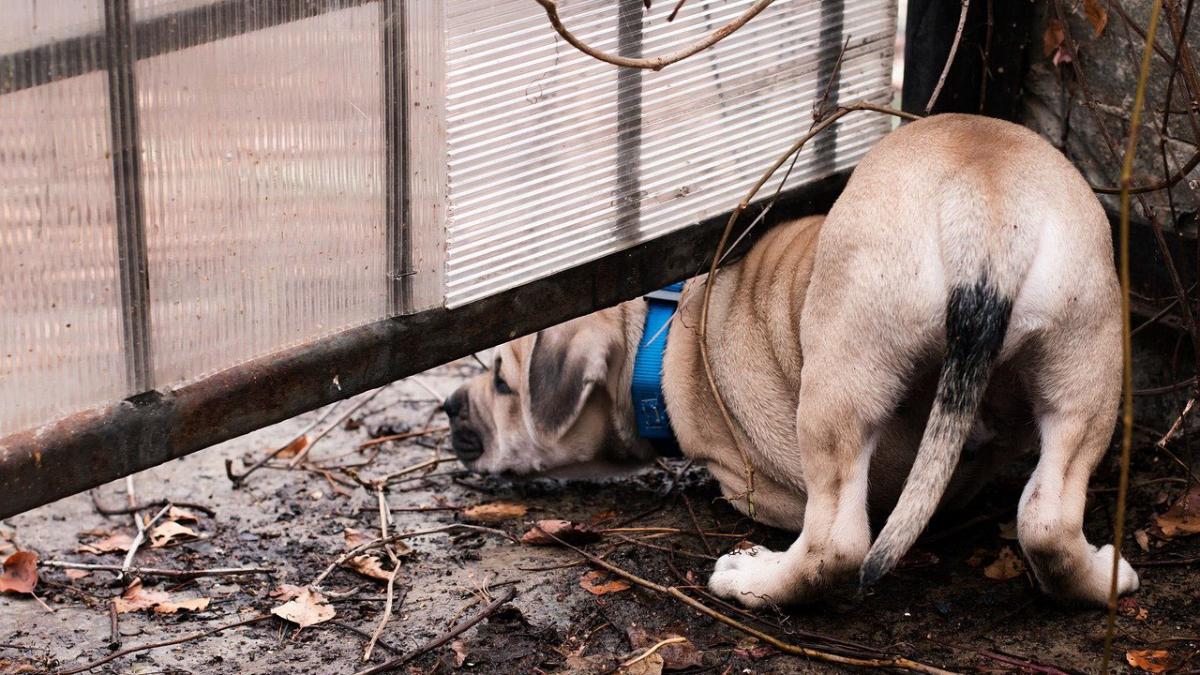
[395,116]
[127,178]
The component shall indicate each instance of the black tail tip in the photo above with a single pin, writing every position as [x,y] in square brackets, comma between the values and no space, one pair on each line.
[872,571]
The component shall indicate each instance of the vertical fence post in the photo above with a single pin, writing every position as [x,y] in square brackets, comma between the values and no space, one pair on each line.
[395,87]
[628,185]
[120,57]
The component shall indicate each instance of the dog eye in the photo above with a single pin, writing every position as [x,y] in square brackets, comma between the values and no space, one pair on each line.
[501,386]
[498,381]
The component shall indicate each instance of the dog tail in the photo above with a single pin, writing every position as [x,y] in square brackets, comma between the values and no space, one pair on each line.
[977,316]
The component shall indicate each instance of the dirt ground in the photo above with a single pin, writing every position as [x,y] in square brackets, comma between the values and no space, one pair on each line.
[943,607]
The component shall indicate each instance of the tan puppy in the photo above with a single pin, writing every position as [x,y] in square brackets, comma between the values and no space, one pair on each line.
[965,252]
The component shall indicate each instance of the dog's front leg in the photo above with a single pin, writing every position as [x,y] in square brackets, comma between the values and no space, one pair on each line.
[836,443]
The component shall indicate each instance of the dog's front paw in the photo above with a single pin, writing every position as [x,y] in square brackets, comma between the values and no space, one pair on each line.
[750,576]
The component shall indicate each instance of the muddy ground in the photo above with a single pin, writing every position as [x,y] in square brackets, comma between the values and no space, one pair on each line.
[942,607]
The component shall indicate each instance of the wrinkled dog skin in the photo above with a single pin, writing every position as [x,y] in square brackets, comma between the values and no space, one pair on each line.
[957,307]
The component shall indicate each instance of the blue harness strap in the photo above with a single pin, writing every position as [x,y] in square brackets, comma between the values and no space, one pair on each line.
[649,406]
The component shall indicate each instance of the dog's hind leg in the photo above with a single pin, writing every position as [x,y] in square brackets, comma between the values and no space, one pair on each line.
[846,395]
[1075,384]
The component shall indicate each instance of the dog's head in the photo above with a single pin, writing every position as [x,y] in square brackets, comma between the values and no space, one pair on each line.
[548,401]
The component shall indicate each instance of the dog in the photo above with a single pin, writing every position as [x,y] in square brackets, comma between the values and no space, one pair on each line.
[957,307]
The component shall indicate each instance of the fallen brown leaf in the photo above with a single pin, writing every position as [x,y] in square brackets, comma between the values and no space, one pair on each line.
[1097,15]
[9,667]
[651,665]
[191,605]
[309,608]
[1143,540]
[294,448]
[20,573]
[138,599]
[1007,566]
[112,543]
[369,566]
[1129,607]
[460,652]
[568,531]
[286,592]
[181,515]
[1149,660]
[355,538]
[494,512]
[679,655]
[168,532]
[1183,518]
[77,574]
[1053,37]
[593,582]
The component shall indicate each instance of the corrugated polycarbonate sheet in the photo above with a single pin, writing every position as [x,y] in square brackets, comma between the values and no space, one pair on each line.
[263,168]
[556,159]
[60,325]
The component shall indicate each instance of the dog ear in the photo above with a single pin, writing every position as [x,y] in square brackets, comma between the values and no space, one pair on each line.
[565,366]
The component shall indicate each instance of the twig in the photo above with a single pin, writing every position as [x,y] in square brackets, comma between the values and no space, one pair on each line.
[114,631]
[1166,562]
[442,639]
[657,62]
[155,645]
[654,648]
[345,416]
[139,539]
[1162,442]
[237,479]
[1126,331]
[891,662]
[383,644]
[376,543]
[384,518]
[156,504]
[158,572]
[710,281]
[958,33]
[401,437]
[678,6]
[696,523]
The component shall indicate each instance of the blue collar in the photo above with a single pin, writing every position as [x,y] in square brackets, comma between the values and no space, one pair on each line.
[649,406]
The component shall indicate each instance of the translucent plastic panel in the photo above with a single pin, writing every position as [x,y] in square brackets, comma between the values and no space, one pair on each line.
[60,321]
[30,23]
[263,164]
[556,158]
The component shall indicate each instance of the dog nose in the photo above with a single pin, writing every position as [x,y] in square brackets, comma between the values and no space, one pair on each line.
[467,444]
[454,404]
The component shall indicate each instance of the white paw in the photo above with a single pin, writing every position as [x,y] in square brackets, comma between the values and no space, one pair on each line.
[1127,578]
[750,576]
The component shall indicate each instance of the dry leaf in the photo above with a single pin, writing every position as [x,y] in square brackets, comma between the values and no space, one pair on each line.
[1129,607]
[1008,531]
[1053,37]
[116,542]
[137,599]
[192,605]
[20,573]
[651,665]
[1096,14]
[306,609]
[1183,518]
[286,592]
[460,652]
[593,582]
[77,574]
[494,512]
[679,655]
[1149,660]
[355,538]
[294,448]
[9,667]
[568,531]
[181,515]
[369,566]
[168,532]
[1007,566]
[1143,540]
